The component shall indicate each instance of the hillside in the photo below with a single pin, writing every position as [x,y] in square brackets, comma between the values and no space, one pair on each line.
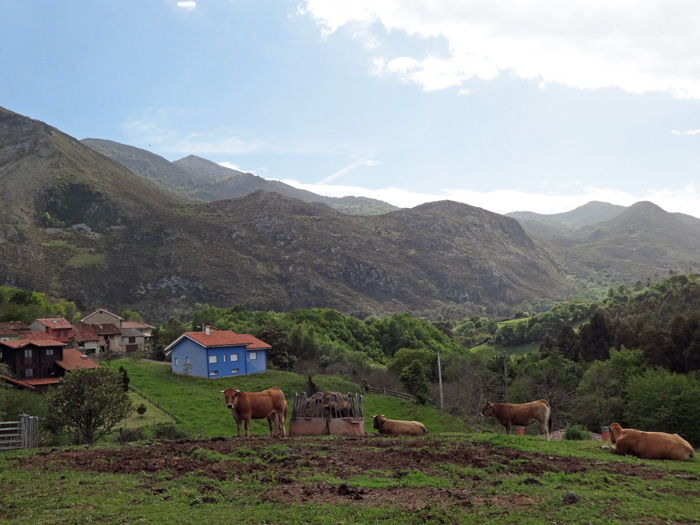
[200,179]
[80,226]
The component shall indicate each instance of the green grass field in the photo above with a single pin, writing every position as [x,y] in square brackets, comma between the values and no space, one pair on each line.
[452,475]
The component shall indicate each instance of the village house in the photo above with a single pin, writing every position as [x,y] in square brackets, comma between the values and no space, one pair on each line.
[38,360]
[103,316]
[58,328]
[10,330]
[85,339]
[218,353]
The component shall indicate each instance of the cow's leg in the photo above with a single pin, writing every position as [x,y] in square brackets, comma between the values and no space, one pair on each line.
[543,424]
[269,422]
[280,422]
[247,427]
[507,425]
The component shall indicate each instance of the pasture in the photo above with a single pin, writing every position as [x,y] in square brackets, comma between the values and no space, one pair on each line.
[440,478]
[453,475]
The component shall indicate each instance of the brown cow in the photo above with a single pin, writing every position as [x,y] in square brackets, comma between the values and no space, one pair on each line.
[245,406]
[522,414]
[399,428]
[649,445]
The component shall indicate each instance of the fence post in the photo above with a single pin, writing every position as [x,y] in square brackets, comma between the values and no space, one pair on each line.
[605,434]
[520,431]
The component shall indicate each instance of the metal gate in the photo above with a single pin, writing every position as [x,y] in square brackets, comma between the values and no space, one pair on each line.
[20,434]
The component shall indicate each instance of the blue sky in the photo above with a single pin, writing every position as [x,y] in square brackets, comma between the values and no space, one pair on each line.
[514,105]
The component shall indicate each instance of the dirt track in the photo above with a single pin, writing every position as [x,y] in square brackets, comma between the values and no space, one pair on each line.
[278,464]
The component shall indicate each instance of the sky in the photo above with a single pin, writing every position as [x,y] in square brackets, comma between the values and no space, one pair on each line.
[515,105]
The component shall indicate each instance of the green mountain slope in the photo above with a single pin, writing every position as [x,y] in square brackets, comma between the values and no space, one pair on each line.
[78,225]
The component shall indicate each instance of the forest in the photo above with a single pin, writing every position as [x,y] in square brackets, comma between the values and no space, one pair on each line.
[632,357]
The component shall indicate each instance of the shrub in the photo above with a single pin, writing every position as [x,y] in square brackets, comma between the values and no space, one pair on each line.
[130,434]
[141,409]
[169,431]
[576,433]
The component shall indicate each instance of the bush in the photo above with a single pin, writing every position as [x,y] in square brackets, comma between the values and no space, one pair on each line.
[576,433]
[130,434]
[168,431]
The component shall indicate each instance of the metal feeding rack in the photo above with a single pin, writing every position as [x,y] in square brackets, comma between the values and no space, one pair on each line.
[327,413]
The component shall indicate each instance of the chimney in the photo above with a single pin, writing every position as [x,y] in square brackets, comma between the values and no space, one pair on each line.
[206,329]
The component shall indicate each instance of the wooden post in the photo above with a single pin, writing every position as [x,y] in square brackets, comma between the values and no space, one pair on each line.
[440,380]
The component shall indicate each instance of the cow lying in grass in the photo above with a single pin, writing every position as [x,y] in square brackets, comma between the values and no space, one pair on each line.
[399,428]
[509,414]
[649,445]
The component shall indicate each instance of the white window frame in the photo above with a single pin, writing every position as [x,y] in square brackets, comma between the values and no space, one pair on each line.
[234,357]
[214,373]
[234,370]
[213,359]
[177,361]
[253,356]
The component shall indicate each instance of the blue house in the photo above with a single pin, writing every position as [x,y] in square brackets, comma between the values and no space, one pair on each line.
[218,353]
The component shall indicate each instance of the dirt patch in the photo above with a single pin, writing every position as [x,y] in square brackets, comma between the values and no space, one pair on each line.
[279,465]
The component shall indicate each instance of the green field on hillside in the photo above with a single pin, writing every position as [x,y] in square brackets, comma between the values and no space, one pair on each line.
[198,406]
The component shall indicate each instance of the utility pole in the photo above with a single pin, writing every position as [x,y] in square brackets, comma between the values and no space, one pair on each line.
[440,380]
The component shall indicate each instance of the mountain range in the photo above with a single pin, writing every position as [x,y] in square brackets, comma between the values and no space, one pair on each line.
[109,225]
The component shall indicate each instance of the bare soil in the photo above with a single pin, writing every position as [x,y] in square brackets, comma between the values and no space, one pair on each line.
[278,465]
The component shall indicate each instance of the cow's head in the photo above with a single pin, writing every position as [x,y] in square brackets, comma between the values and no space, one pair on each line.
[230,394]
[615,431]
[379,420]
[487,410]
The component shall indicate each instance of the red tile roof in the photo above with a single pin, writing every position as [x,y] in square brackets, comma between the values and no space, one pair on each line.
[26,336]
[85,332]
[36,342]
[10,327]
[18,383]
[226,338]
[44,381]
[56,322]
[73,359]
[106,329]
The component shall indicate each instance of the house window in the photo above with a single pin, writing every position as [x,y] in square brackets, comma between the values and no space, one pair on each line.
[234,370]
[214,373]
[213,359]
[51,370]
[65,333]
[224,358]
[177,361]
[187,360]
[253,356]
[28,372]
[132,339]
[49,351]
[27,354]
[234,357]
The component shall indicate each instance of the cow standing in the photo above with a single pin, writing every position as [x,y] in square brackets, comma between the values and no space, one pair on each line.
[268,404]
[649,445]
[509,414]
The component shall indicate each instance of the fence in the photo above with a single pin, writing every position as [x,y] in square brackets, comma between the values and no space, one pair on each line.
[20,434]
[384,391]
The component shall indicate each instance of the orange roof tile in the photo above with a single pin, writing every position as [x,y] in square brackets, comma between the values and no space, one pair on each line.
[226,338]
[44,381]
[73,358]
[56,322]
[35,342]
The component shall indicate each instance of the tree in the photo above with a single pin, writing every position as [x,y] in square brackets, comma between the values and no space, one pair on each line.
[124,378]
[91,402]
[141,409]
[416,382]
[662,401]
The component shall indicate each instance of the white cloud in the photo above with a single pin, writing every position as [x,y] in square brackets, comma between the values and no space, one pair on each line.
[638,47]
[187,6]
[683,200]
[689,132]
[346,169]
